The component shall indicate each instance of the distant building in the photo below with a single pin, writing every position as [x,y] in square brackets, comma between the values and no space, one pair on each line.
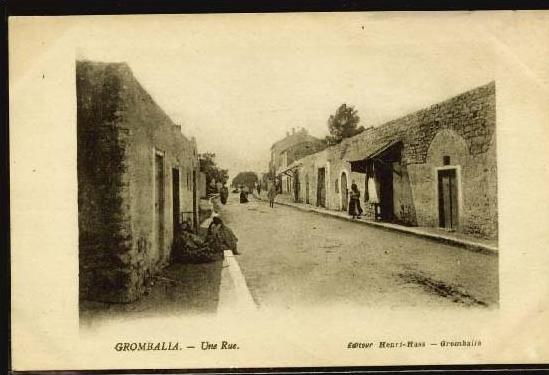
[433,168]
[294,146]
[137,179]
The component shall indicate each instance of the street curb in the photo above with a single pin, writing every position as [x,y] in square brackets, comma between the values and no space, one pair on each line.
[469,245]
[243,294]
[244,297]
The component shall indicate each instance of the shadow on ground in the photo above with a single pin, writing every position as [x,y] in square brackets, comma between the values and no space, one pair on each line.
[178,289]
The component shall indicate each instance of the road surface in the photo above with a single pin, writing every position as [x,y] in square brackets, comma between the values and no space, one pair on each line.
[292,258]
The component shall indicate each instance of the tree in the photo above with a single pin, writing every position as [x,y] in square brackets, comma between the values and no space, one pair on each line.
[343,124]
[245,179]
[212,171]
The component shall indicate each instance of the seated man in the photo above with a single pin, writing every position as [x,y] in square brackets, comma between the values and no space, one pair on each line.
[243,196]
[220,237]
[191,248]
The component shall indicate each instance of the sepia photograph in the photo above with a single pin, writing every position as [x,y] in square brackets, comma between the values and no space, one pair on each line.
[296,189]
[344,184]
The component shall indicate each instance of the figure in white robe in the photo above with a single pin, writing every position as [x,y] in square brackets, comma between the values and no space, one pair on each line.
[373,190]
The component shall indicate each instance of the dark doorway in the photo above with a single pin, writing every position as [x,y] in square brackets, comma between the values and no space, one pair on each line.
[159,203]
[175,200]
[297,186]
[386,204]
[344,192]
[321,188]
[447,199]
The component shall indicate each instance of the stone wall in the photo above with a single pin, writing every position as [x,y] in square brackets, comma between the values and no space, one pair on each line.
[120,129]
[462,128]
[103,216]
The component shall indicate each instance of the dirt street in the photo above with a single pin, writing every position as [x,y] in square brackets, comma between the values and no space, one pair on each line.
[293,258]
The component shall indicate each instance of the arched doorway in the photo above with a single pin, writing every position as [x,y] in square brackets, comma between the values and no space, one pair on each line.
[343,191]
[447,152]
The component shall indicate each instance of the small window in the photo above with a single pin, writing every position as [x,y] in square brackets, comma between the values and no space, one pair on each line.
[446,160]
[337,185]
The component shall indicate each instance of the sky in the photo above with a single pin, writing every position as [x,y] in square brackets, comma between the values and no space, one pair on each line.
[239,83]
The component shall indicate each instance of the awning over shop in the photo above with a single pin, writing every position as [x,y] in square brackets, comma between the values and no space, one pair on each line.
[373,152]
[289,171]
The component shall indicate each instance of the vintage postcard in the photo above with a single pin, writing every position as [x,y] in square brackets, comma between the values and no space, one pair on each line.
[279,190]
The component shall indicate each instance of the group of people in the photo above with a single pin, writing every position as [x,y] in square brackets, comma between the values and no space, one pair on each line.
[190,247]
[271,193]
[354,207]
[244,191]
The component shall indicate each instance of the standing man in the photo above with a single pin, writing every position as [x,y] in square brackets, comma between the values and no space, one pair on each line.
[272,194]
[258,188]
[224,194]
